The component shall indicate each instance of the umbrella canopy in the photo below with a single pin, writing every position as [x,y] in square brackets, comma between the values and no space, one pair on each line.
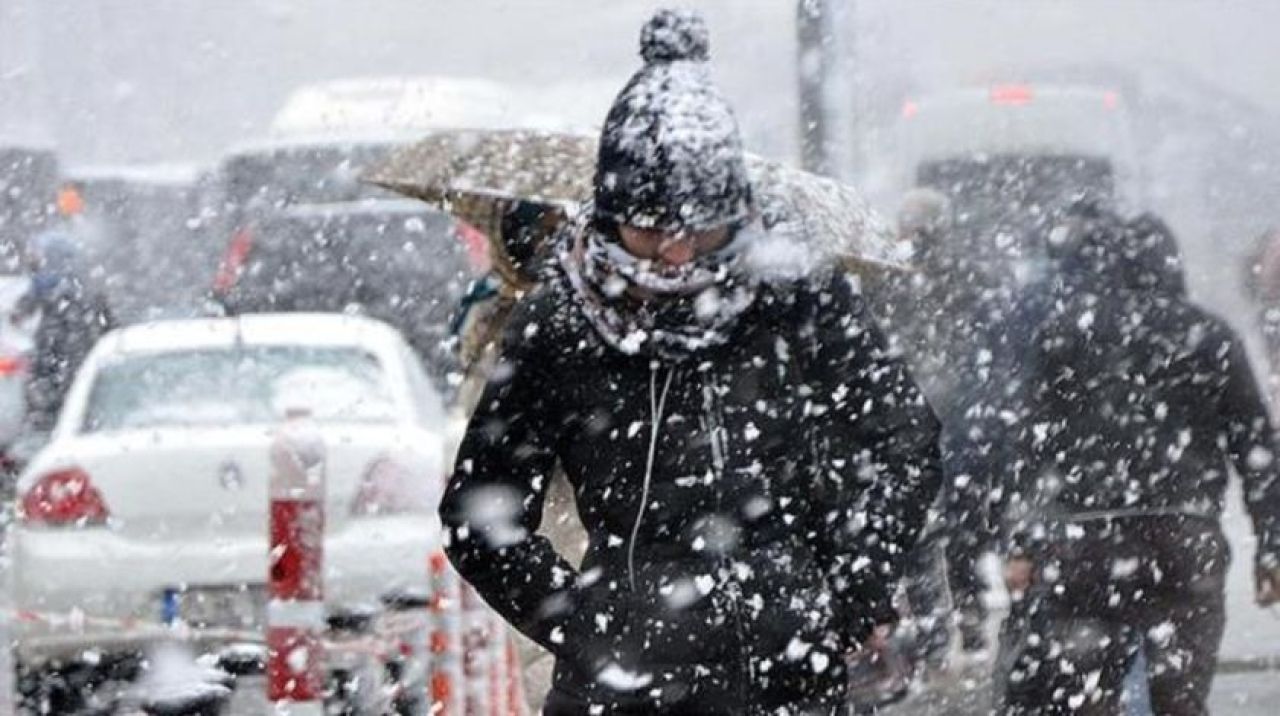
[477,174]
[478,166]
[827,216]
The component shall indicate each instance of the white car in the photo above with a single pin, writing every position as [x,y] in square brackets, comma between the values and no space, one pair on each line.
[150,502]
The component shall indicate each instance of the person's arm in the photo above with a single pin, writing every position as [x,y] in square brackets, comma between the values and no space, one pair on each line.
[26,305]
[492,506]
[1254,451]
[880,465]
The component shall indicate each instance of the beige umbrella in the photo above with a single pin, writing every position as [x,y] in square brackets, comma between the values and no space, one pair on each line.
[476,174]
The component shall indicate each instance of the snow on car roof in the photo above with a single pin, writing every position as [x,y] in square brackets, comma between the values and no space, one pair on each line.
[380,207]
[319,140]
[402,103]
[311,329]
[137,173]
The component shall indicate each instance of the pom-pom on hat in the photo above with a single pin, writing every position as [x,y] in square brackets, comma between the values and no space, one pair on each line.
[671,154]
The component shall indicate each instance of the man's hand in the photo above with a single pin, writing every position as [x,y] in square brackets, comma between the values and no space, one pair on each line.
[1266,576]
[1018,574]
[878,641]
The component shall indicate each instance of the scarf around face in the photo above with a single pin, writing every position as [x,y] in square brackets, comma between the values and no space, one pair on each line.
[641,308]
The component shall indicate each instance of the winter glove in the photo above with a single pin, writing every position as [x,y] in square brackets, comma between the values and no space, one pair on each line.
[1019,572]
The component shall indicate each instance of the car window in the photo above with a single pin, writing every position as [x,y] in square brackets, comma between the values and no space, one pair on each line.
[249,385]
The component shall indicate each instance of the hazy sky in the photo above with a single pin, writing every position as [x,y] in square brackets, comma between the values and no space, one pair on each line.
[177,80]
[120,81]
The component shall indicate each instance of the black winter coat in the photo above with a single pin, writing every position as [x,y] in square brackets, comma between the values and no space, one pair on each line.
[72,319]
[747,509]
[1140,403]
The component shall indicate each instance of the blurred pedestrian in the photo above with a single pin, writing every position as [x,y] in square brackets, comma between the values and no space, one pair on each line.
[749,463]
[73,315]
[1143,404]
[934,316]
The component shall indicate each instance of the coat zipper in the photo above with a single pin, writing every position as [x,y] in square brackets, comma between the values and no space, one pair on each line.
[715,420]
[657,407]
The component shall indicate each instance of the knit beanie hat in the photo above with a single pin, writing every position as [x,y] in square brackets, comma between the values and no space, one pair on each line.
[670,154]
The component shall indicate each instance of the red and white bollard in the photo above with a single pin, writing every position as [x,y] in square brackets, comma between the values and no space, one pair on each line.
[515,679]
[295,580]
[447,681]
[497,666]
[477,656]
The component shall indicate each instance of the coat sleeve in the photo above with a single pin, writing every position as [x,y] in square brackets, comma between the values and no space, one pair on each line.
[1252,448]
[880,466]
[492,506]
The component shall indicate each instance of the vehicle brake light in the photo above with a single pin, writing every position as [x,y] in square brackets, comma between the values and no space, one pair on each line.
[477,244]
[1011,94]
[12,365]
[910,109]
[62,498]
[233,262]
[1111,99]
[386,489]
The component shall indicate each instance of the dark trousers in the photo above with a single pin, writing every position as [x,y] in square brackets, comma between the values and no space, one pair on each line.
[964,549]
[1104,590]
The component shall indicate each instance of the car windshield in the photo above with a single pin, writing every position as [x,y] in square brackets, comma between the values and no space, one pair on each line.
[249,385]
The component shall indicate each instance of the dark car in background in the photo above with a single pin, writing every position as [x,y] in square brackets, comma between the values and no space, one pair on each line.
[1012,155]
[29,178]
[395,260]
[142,238]
[1004,204]
[301,232]
[255,179]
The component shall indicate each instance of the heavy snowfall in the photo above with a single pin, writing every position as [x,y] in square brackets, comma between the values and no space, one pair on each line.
[716,357]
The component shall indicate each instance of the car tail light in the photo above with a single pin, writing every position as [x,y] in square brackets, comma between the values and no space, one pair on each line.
[11,366]
[1011,94]
[233,261]
[477,244]
[64,497]
[386,489]
[910,109]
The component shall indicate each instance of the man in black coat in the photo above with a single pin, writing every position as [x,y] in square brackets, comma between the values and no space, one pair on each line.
[748,462]
[1141,405]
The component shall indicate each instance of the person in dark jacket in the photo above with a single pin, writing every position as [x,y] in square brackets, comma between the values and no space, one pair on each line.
[73,316]
[1142,405]
[748,462]
[936,316]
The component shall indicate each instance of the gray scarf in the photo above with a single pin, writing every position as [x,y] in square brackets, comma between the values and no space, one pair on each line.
[669,314]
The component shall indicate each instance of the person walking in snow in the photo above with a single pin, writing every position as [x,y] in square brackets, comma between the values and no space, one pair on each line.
[1141,404]
[74,314]
[748,461]
[936,316]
